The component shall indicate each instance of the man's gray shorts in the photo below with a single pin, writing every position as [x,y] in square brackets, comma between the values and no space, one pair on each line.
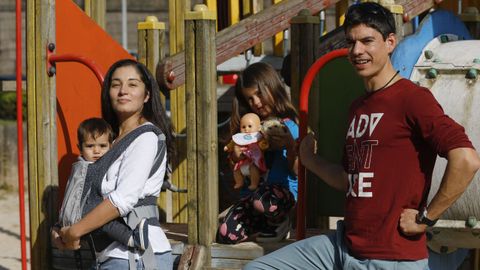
[327,252]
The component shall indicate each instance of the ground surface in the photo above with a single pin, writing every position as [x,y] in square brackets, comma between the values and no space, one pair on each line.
[10,232]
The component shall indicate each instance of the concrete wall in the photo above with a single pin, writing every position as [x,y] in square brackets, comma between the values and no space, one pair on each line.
[8,155]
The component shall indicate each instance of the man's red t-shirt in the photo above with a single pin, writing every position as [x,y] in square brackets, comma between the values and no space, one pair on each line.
[391,145]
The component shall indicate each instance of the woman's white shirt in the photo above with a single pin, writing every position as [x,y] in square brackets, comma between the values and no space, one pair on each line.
[127,181]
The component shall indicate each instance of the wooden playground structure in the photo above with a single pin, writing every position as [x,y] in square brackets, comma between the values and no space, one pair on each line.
[60,86]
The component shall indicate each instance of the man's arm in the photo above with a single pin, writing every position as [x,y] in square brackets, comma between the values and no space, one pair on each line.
[334,175]
[462,165]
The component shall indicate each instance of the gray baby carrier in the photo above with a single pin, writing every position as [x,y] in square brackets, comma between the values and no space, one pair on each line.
[83,193]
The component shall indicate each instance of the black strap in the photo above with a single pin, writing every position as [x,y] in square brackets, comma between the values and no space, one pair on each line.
[96,171]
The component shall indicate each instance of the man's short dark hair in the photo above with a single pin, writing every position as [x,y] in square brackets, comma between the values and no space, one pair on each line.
[94,128]
[372,15]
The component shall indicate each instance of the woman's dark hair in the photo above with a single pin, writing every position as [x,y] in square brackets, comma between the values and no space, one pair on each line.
[372,15]
[264,77]
[153,109]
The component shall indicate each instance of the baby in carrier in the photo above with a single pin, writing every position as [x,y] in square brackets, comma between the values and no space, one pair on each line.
[95,138]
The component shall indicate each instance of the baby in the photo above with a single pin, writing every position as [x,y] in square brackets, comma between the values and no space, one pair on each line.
[252,162]
[95,137]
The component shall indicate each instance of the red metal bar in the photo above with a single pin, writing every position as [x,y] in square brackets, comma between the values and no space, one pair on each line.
[69,57]
[304,93]
[21,191]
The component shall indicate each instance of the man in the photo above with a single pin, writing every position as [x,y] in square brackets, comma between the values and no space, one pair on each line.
[395,132]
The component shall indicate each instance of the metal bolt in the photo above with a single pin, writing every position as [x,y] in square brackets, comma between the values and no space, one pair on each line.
[51,47]
[51,71]
[431,74]
[472,74]
[444,39]
[476,60]
[471,221]
[428,54]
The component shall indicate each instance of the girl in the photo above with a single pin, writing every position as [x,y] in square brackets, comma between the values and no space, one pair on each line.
[130,98]
[260,90]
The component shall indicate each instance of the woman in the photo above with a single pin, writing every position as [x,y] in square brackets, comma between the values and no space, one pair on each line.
[260,90]
[130,98]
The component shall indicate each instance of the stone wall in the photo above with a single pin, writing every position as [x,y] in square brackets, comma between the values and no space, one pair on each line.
[8,155]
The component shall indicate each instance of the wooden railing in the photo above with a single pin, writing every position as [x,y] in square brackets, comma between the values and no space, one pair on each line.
[241,36]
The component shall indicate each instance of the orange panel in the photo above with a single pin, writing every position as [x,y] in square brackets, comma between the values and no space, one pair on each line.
[78,90]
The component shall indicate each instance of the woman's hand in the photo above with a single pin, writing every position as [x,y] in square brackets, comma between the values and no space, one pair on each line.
[70,239]
[56,239]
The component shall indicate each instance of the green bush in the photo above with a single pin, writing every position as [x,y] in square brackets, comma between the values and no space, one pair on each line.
[8,106]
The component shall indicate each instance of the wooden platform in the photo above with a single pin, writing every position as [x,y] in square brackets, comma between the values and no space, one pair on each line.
[223,256]
[227,256]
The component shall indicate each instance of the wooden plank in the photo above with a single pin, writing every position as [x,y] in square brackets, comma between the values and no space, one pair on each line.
[10,86]
[246,250]
[41,123]
[192,186]
[241,36]
[177,9]
[228,263]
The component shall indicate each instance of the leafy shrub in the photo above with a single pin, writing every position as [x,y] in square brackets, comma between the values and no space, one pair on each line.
[8,106]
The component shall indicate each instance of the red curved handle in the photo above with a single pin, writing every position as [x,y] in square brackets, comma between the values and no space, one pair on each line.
[304,93]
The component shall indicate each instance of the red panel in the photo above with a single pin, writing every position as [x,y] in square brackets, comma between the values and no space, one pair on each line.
[78,90]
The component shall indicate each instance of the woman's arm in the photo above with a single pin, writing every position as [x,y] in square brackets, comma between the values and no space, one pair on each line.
[100,215]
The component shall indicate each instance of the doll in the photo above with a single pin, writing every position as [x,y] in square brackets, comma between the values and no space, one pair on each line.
[253,144]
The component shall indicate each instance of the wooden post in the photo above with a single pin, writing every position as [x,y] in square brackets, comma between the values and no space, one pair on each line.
[42,133]
[397,11]
[304,51]
[278,39]
[96,9]
[151,38]
[253,7]
[200,66]
[340,10]
[233,11]
[176,11]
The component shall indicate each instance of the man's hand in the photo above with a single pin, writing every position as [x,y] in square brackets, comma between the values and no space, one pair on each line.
[308,147]
[69,238]
[408,223]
